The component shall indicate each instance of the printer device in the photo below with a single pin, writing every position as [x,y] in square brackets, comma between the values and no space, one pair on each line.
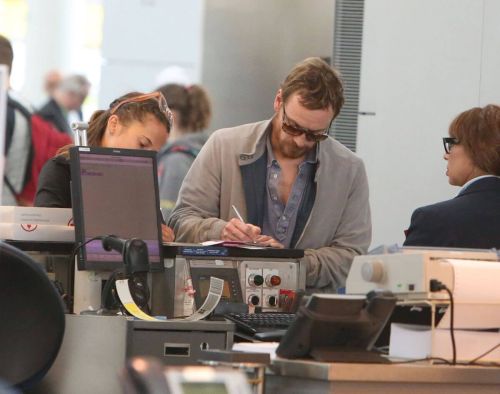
[407,274]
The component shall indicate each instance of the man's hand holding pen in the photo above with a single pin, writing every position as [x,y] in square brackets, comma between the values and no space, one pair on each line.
[237,230]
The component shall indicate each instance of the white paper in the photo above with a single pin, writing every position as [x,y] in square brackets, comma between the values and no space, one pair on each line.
[410,341]
[476,282]
[469,345]
[123,290]
[235,244]
[472,316]
[257,347]
[417,342]
[212,243]
[212,300]
[476,295]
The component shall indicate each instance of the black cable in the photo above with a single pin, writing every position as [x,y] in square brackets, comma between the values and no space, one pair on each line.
[77,248]
[484,354]
[452,321]
[436,285]
[107,295]
[445,361]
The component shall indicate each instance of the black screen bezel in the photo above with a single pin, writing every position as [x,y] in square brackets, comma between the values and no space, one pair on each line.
[77,205]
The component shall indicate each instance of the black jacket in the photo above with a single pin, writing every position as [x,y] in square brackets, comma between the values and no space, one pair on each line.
[54,184]
[470,220]
[54,114]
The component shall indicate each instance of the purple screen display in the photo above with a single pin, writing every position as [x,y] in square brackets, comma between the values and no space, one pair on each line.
[118,196]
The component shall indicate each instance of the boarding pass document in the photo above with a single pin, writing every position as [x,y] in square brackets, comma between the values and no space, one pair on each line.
[128,302]
[213,298]
[236,244]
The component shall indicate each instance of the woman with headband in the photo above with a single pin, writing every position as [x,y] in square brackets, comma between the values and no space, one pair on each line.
[133,121]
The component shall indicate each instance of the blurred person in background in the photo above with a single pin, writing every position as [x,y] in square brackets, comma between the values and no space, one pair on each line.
[52,79]
[68,96]
[173,74]
[29,143]
[192,113]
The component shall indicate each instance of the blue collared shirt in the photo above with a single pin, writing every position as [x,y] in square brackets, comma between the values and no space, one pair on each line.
[280,218]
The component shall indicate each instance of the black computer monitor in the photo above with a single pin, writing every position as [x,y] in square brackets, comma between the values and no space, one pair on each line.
[114,191]
[331,327]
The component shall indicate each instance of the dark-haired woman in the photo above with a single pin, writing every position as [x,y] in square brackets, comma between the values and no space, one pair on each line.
[472,218]
[191,109]
[133,121]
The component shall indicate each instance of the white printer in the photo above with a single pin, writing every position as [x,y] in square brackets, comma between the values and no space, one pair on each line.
[408,272]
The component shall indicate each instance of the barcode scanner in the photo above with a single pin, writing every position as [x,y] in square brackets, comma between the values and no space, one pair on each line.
[136,263]
[134,251]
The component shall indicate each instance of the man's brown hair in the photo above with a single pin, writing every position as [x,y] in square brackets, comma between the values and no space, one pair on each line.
[317,83]
[6,52]
[478,131]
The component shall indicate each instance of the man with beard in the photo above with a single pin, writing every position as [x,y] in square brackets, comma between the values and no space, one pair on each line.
[294,186]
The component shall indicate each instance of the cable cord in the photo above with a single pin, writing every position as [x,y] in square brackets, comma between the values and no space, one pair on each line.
[443,360]
[452,328]
[474,361]
[108,296]
[77,247]
[436,285]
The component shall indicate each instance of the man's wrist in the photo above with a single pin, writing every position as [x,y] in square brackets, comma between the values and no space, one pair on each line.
[216,229]
[312,269]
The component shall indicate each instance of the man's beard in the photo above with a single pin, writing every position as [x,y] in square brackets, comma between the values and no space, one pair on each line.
[290,150]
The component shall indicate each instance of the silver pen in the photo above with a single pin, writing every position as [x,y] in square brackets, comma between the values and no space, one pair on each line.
[241,219]
[238,214]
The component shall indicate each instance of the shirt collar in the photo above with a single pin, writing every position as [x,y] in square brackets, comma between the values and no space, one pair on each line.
[270,154]
[471,181]
[312,156]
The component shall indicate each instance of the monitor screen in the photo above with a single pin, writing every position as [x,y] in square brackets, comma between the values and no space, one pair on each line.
[205,380]
[114,191]
[204,388]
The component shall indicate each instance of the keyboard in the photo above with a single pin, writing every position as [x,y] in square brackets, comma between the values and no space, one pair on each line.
[256,323]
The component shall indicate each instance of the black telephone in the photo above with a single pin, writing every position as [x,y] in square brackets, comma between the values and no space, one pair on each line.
[331,327]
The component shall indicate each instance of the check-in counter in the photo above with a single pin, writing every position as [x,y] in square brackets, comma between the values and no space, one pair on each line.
[95,349]
[311,377]
[285,376]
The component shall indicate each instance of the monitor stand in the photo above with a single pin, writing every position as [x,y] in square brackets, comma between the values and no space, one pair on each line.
[347,355]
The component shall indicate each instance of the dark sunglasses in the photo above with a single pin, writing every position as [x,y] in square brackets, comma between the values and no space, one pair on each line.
[313,136]
[448,143]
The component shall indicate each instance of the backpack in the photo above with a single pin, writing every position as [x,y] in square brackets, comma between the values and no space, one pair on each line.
[40,141]
[18,148]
